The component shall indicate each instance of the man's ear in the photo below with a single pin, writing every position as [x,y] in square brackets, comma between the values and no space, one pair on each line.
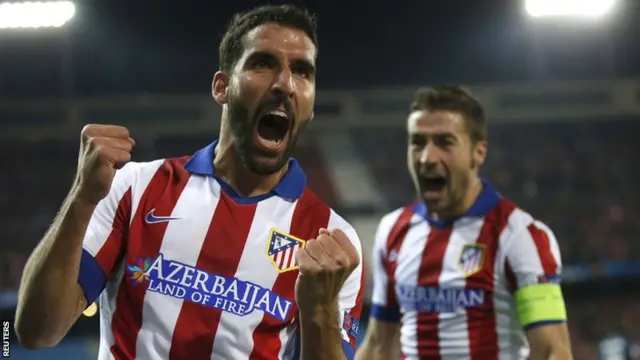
[480,153]
[219,87]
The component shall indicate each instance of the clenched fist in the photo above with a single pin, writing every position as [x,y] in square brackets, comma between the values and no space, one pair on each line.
[325,264]
[103,149]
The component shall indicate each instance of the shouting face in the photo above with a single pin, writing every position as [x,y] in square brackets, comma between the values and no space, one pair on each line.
[269,95]
[442,158]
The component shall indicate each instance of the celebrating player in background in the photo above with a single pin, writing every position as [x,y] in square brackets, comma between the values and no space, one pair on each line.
[462,273]
[205,256]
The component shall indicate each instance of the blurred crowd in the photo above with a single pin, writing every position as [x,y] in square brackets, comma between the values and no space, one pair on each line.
[578,177]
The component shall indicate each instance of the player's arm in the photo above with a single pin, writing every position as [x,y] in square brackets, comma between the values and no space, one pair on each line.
[330,333]
[61,277]
[533,265]
[382,340]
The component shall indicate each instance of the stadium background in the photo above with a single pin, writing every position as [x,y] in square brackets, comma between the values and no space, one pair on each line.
[562,97]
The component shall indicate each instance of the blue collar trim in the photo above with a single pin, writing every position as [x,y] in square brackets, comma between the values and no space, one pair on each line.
[290,187]
[484,203]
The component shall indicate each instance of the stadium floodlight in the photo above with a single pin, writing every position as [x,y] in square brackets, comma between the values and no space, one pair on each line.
[572,8]
[47,14]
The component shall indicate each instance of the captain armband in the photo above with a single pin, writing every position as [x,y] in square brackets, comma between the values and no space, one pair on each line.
[540,303]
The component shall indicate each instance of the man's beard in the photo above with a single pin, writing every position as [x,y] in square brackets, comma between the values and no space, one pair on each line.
[242,128]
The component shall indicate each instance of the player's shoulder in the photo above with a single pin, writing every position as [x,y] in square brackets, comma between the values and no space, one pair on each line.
[402,214]
[133,171]
[520,221]
[313,205]
[310,203]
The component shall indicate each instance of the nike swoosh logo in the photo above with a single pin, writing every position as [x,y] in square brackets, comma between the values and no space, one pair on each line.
[152,219]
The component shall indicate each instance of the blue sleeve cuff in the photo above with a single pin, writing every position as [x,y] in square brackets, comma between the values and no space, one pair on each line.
[384,313]
[91,278]
[349,351]
[543,323]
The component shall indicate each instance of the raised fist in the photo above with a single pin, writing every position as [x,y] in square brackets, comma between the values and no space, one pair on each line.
[325,264]
[103,149]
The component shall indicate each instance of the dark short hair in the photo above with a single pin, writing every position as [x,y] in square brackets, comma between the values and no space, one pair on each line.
[231,47]
[453,98]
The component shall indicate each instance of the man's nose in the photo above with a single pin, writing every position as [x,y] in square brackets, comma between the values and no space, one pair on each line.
[284,83]
[430,154]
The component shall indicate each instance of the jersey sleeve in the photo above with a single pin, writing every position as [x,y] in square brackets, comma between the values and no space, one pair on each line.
[351,297]
[104,239]
[533,267]
[384,305]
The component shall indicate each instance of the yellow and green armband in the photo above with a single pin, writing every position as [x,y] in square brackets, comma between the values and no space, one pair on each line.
[540,302]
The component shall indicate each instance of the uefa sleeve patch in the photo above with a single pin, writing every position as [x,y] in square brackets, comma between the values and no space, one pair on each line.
[351,325]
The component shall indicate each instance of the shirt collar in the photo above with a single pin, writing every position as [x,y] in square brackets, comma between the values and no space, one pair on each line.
[486,201]
[289,187]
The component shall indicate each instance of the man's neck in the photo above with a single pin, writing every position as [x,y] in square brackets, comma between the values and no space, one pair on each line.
[461,208]
[229,168]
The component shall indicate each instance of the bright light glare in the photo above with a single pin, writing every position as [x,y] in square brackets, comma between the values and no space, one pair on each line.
[578,8]
[36,14]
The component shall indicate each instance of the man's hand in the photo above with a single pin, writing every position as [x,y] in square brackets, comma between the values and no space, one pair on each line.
[325,264]
[103,149]
[52,271]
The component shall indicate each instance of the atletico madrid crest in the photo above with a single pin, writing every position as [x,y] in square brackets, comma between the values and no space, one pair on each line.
[281,249]
[471,259]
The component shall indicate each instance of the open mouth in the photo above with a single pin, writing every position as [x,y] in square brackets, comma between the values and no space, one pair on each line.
[434,183]
[271,131]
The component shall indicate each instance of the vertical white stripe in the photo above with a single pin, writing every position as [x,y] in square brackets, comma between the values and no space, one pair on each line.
[145,173]
[182,242]
[380,276]
[407,271]
[234,338]
[453,330]
[351,287]
[518,247]
[511,338]
[141,175]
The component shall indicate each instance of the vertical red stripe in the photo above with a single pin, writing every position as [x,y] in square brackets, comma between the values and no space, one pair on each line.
[481,321]
[429,276]
[144,240]
[394,243]
[543,245]
[309,216]
[221,251]
[112,249]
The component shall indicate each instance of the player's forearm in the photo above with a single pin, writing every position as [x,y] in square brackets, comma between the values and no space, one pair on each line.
[382,342]
[550,354]
[371,350]
[320,334]
[50,299]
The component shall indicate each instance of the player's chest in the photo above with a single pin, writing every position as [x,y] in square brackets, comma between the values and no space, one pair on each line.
[214,252]
[454,257]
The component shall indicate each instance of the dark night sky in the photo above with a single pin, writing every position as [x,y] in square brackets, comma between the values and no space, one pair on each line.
[134,46]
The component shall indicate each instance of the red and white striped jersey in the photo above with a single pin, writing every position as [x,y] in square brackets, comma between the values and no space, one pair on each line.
[186,269]
[451,284]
